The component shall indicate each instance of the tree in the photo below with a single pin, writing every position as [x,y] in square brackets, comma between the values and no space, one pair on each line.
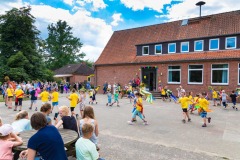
[62,47]
[19,56]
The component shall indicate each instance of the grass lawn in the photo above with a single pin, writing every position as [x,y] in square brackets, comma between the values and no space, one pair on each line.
[2,100]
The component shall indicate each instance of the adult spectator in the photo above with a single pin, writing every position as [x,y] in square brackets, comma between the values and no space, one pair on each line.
[46,110]
[22,122]
[105,86]
[47,141]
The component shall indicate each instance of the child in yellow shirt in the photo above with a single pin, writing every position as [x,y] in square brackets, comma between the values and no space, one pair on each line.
[184,101]
[204,108]
[10,93]
[19,98]
[74,100]
[54,98]
[44,96]
[214,96]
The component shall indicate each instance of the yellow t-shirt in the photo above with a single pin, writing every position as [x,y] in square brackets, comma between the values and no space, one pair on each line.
[9,92]
[139,104]
[73,99]
[214,94]
[184,102]
[19,93]
[191,99]
[204,104]
[55,96]
[163,92]
[196,101]
[44,96]
[90,93]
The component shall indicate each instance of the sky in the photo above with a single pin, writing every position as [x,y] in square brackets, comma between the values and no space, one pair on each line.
[94,21]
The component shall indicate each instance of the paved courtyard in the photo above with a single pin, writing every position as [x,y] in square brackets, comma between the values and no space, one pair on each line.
[166,137]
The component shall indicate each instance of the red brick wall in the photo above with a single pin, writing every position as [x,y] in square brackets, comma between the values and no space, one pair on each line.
[123,74]
[77,78]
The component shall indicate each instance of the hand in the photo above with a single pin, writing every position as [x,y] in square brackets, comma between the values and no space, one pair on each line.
[23,154]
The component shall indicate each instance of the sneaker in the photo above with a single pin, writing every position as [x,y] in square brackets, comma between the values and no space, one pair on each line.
[204,125]
[209,119]
[189,120]
[134,120]
[236,109]
[30,108]
[36,109]
[19,110]
[233,107]
[184,121]
[130,122]
[15,110]
[107,104]
[145,123]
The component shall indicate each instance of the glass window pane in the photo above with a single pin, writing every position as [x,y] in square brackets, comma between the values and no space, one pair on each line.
[214,44]
[172,48]
[198,45]
[220,66]
[174,67]
[219,76]
[184,46]
[145,50]
[195,66]
[195,76]
[158,49]
[231,42]
[173,76]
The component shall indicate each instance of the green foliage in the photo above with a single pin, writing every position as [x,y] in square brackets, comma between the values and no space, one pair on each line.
[62,47]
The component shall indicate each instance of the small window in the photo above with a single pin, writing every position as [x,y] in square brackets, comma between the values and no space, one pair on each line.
[158,49]
[174,74]
[89,79]
[220,74]
[172,48]
[145,50]
[213,44]
[184,46]
[195,74]
[198,45]
[230,42]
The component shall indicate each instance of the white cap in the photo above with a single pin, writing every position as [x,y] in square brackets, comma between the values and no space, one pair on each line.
[5,130]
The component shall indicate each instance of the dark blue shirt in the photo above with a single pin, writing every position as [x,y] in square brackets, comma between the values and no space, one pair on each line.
[32,93]
[48,143]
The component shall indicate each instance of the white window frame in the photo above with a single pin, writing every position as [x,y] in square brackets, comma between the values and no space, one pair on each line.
[156,50]
[195,45]
[174,70]
[219,69]
[143,50]
[231,47]
[210,44]
[238,73]
[169,45]
[181,47]
[89,79]
[195,70]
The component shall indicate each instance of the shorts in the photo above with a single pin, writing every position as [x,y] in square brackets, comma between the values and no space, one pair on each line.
[203,114]
[109,100]
[184,110]
[214,99]
[34,101]
[10,97]
[18,102]
[81,105]
[234,103]
[224,104]
[72,109]
[164,95]
[54,104]
[90,97]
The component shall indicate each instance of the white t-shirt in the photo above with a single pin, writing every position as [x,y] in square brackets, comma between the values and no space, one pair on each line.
[86,149]
[21,125]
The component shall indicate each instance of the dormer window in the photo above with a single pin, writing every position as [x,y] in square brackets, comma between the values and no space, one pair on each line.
[185,47]
[198,45]
[145,50]
[158,49]
[230,42]
[214,44]
[172,48]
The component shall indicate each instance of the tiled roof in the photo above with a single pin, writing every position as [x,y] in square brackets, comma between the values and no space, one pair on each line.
[78,69]
[121,47]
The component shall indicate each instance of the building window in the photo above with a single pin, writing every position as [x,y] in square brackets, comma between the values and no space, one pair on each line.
[184,46]
[220,74]
[214,44]
[89,79]
[174,74]
[145,50]
[198,45]
[230,42]
[239,74]
[172,48]
[195,74]
[158,49]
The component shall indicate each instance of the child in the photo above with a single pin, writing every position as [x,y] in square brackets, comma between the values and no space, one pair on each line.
[10,93]
[204,108]
[85,149]
[214,96]
[90,92]
[224,99]
[33,99]
[19,98]
[138,111]
[82,100]
[94,92]
[54,98]
[234,97]
[130,92]
[74,100]
[44,96]
[191,106]
[109,95]
[163,94]
[6,144]
[184,100]
[116,95]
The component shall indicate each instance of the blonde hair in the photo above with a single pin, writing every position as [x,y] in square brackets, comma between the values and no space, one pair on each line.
[88,112]
[87,128]
[64,109]
[21,115]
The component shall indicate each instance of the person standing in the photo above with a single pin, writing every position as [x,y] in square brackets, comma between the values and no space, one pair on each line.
[74,100]
[19,98]
[10,93]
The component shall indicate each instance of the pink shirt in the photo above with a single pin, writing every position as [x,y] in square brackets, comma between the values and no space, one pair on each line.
[6,149]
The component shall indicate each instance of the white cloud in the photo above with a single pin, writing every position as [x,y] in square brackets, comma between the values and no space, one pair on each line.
[97,4]
[116,19]
[69,2]
[135,5]
[190,10]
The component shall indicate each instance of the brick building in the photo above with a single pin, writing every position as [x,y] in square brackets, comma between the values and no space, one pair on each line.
[75,73]
[195,53]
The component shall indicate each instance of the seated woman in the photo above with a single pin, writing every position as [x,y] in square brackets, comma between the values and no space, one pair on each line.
[68,121]
[47,141]
[46,110]
[22,122]
[88,117]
